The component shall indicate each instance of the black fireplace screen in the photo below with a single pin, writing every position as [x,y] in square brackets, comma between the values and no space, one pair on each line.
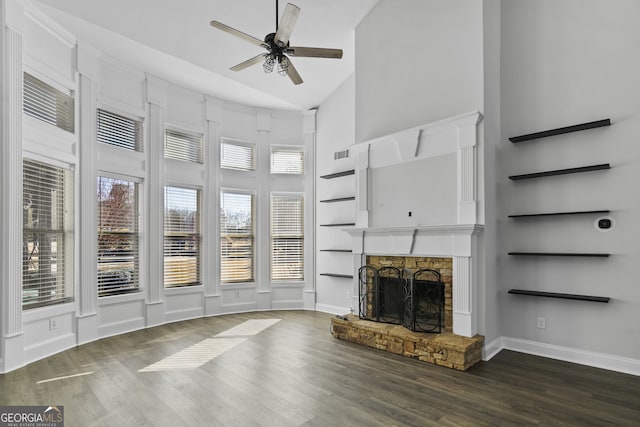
[414,300]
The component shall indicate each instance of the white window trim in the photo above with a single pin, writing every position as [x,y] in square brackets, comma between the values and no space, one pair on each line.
[180,129]
[140,292]
[70,227]
[201,270]
[256,237]
[253,145]
[304,238]
[283,147]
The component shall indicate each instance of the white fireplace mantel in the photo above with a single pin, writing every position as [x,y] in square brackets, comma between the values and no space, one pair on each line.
[396,236]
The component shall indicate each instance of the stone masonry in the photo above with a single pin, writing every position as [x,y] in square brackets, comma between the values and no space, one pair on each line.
[443,265]
[446,349]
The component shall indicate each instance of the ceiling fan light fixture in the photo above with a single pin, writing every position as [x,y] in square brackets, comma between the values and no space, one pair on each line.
[277,46]
[283,65]
[269,63]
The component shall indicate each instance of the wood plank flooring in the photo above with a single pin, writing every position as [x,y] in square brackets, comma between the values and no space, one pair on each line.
[295,373]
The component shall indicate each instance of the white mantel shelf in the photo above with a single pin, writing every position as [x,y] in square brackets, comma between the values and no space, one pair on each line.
[429,229]
[428,240]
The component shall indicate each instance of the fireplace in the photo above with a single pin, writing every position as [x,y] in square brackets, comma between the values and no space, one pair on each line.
[395,294]
[419,195]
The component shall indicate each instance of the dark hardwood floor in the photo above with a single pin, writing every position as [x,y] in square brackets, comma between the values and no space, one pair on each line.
[295,373]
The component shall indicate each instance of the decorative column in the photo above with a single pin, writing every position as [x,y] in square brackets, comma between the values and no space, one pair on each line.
[309,138]
[465,285]
[467,168]
[11,186]
[211,208]
[263,201]
[362,179]
[157,99]
[87,317]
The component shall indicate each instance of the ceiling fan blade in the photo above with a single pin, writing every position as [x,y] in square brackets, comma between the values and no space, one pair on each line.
[293,74]
[249,62]
[314,52]
[288,21]
[238,33]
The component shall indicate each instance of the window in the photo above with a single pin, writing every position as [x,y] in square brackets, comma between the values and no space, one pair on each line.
[236,237]
[118,238]
[287,160]
[287,237]
[237,155]
[183,146]
[47,248]
[181,237]
[46,103]
[119,131]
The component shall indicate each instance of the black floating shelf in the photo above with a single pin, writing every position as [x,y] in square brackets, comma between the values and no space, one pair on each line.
[560,131]
[340,199]
[558,295]
[346,224]
[336,250]
[561,172]
[338,174]
[342,276]
[578,254]
[604,211]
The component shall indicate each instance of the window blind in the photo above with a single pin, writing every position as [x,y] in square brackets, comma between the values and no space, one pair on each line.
[183,146]
[47,252]
[181,237]
[46,103]
[237,156]
[287,237]
[287,160]
[119,131]
[236,238]
[118,238]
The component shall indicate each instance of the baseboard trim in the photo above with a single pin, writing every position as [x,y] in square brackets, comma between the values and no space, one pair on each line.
[573,355]
[491,349]
[332,309]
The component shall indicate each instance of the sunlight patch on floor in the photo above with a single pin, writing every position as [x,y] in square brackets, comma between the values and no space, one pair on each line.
[65,377]
[195,356]
[198,354]
[248,328]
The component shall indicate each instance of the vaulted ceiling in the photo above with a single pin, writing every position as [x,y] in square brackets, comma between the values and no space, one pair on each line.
[173,40]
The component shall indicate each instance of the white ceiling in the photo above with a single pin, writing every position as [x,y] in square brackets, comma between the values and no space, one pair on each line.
[173,40]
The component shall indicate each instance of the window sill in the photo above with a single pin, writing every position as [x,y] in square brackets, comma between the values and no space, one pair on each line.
[180,290]
[116,299]
[288,284]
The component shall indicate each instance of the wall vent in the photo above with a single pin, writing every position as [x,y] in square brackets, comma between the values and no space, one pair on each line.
[341,154]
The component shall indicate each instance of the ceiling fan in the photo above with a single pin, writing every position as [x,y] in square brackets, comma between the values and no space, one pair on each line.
[278,47]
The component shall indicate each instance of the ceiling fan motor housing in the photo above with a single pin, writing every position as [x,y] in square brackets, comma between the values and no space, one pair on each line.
[274,47]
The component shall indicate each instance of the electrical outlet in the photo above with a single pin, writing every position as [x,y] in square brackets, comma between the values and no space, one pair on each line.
[237,293]
[541,322]
[52,324]
[347,295]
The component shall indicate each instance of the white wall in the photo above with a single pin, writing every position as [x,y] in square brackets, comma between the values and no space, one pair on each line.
[568,62]
[426,188]
[336,118]
[489,170]
[417,61]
